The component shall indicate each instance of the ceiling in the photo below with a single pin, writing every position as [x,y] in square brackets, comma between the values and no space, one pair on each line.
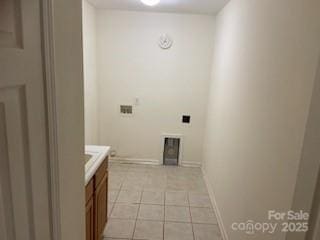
[177,6]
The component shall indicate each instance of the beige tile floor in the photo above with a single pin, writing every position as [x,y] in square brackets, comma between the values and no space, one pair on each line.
[159,203]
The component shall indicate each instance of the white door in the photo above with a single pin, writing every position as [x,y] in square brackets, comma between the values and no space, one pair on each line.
[24,195]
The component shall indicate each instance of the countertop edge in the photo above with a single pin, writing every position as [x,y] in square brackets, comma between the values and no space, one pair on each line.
[103,153]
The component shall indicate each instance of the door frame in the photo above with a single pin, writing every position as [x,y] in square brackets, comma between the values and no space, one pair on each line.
[50,60]
[314,221]
[50,89]
[308,173]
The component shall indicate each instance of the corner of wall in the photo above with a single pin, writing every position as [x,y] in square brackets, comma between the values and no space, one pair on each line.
[216,209]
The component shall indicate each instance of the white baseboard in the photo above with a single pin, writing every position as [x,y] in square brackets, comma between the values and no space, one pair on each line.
[150,161]
[224,234]
[134,161]
[190,164]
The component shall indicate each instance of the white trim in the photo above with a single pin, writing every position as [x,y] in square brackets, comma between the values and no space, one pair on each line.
[190,164]
[224,234]
[134,161]
[172,135]
[149,161]
[48,58]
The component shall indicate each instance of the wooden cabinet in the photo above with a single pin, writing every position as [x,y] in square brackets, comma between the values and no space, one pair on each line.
[90,220]
[101,207]
[97,203]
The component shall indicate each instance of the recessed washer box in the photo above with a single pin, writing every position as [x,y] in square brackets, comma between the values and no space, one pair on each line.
[171,149]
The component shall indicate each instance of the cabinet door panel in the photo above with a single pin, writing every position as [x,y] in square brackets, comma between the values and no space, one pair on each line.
[100,174]
[90,220]
[101,207]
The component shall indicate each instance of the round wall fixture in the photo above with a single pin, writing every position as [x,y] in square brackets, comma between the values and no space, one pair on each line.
[165,42]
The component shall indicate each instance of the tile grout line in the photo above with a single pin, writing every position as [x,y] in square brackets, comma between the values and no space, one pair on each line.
[135,223]
[113,205]
[194,237]
[116,198]
[164,206]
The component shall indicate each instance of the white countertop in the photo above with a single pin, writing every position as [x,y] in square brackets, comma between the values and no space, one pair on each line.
[98,153]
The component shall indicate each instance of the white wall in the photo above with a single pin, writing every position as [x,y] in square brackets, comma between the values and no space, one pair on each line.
[90,73]
[265,61]
[169,83]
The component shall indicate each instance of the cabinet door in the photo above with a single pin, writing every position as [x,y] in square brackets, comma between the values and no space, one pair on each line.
[101,208]
[90,220]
